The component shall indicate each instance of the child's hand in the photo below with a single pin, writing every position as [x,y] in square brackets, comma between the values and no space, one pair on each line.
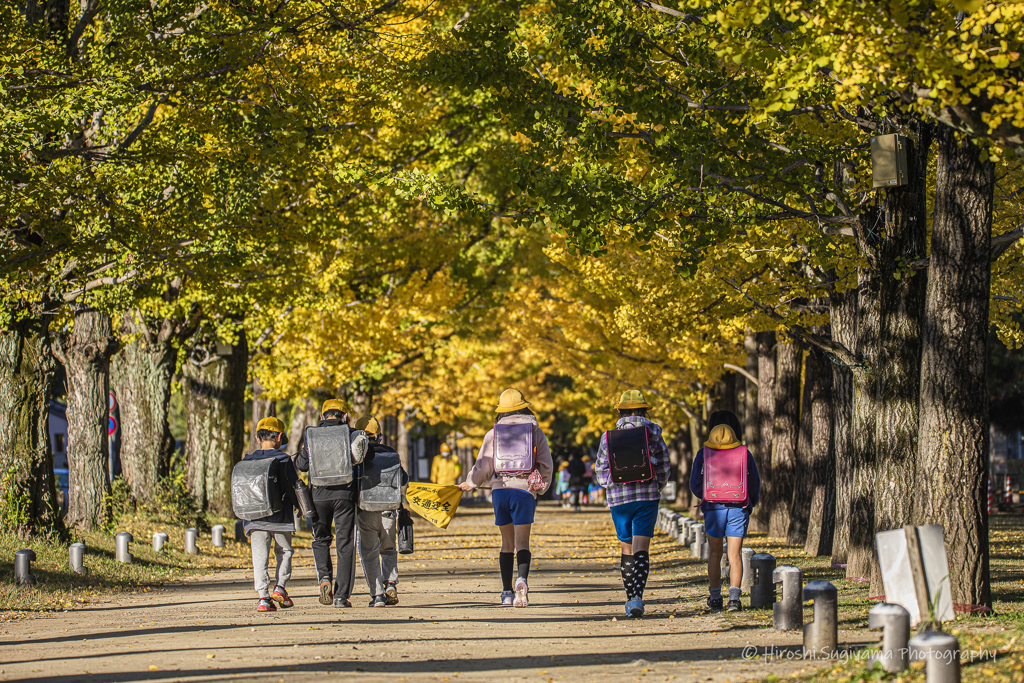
[466,486]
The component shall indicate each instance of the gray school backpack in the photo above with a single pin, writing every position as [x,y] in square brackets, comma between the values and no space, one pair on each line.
[513,448]
[330,460]
[256,489]
[380,487]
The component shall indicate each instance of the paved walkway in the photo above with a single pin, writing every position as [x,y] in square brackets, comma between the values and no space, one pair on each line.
[446,628]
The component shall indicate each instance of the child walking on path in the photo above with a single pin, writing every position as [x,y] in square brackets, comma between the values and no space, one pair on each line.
[514,461]
[632,468]
[380,498]
[275,529]
[725,478]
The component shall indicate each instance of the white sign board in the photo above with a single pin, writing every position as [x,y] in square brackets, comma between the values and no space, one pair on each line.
[898,577]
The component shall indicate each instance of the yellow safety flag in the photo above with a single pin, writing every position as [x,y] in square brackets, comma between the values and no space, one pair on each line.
[435,503]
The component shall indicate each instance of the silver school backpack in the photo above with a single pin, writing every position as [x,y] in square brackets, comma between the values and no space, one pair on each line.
[256,489]
[330,460]
[513,448]
[381,485]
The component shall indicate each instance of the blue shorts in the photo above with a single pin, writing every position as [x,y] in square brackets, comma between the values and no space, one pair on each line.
[635,519]
[513,506]
[728,521]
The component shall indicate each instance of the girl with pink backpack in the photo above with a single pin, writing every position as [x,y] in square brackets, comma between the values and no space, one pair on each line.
[725,479]
[515,463]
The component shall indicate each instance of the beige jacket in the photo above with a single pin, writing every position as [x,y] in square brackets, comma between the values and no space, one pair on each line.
[483,476]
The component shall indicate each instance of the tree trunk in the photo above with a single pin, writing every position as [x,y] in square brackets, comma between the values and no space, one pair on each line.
[141,376]
[751,434]
[215,396]
[822,518]
[261,407]
[304,415]
[766,425]
[803,472]
[844,331]
[86,356]
[954,421]
[861,549]
[897,369]
[683,448]
[403,446]
[26,463]
[784,437]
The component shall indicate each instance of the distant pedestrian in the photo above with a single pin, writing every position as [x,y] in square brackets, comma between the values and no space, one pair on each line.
[515,463]
[562,484]
[632,466]
[725,479]
[577,473]
[330,454]
[275,529]
[445,468]
[380,499]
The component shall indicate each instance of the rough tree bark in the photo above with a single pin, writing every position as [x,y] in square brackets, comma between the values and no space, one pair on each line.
[26,462]
[304,415]
[215,396]
[261,407]
[822,518]
[682,446]
[954,421]
[766,425]
[844,330]
[897,369]
[85,353]
[803,472]
[141,377]
[784,436]
[751,435]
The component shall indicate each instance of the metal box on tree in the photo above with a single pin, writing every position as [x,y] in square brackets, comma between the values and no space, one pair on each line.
[889,160]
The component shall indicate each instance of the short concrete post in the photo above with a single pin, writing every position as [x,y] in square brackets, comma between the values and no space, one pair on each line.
[683,534]
[190,541]
[894,620]
[76,553]
[762,585]
[218,536]
[788,612]
[941,654]
[23,560]
[295,520]
[821,636]
[122,552]
[240,531]
[699,541]
[159,540]
[747,554]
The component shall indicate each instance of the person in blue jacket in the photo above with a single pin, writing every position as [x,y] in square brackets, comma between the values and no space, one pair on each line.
[724,519]
[275,529]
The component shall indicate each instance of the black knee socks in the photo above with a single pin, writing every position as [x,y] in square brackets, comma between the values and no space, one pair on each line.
[635,569]
[523,560]
[505,563]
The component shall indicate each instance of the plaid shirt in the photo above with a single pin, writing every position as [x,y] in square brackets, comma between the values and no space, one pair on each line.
[620,494]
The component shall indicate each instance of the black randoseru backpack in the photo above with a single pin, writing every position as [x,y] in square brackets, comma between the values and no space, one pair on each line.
[629,455]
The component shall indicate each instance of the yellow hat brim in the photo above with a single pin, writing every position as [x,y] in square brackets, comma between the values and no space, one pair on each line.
[632,406]
[509,409]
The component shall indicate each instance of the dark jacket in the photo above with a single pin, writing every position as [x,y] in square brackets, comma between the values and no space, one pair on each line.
[349,491]
[753,485]
[283,520]
[577,470]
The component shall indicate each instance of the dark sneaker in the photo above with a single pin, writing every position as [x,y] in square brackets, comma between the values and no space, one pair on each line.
[715,604]
[342,602]
[266,605]
[734,606]
[379,601]
[280,596]
[391,593]
[326,592]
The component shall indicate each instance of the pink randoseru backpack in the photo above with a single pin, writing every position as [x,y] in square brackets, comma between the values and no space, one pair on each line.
[725,475]
[514,450]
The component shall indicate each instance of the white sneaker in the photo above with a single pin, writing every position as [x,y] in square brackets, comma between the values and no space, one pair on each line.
[522,591]
[507,598]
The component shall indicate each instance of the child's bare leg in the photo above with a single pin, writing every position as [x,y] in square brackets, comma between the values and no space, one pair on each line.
[735,561]
[715,562]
